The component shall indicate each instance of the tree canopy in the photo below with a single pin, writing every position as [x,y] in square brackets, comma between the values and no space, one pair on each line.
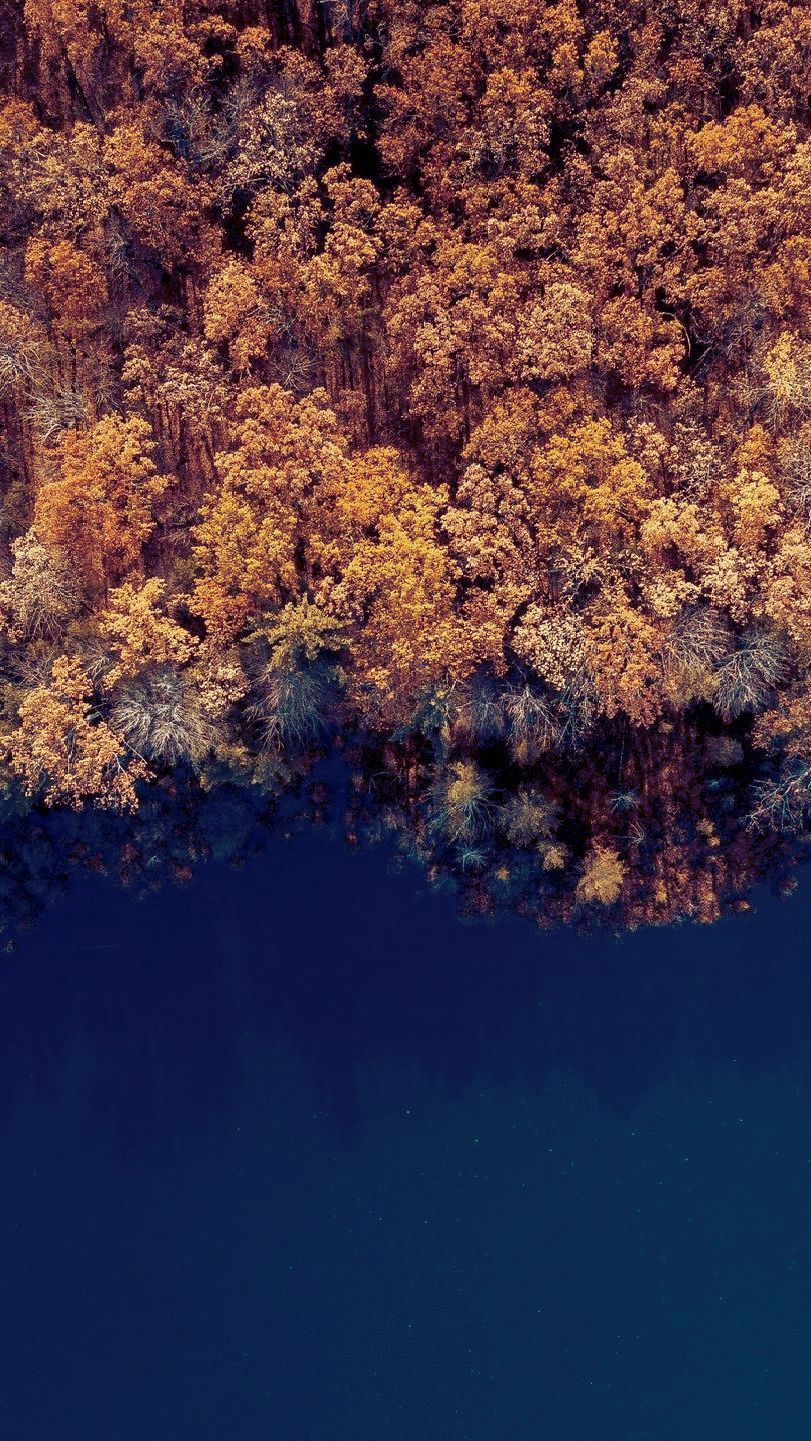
[433,372]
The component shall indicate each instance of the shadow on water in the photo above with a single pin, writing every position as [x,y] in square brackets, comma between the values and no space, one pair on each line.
[150,1005]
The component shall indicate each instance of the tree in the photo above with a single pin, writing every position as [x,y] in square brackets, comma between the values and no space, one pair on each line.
[396,583]
[140,633]
[98,508]
[261,533]
[153,193]
[63,750]
[602,877]
[160,715]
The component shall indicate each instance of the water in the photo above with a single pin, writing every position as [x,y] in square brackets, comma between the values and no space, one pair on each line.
[292,1153]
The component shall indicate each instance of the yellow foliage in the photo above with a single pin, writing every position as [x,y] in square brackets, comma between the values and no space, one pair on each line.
[99,508]
[602,877]
[67,754]
[140,634]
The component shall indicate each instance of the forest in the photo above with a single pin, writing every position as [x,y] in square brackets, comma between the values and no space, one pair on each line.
[424,384]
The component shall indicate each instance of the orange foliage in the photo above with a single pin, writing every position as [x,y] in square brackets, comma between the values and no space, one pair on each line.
[441,360]
[98,509]
[64,752]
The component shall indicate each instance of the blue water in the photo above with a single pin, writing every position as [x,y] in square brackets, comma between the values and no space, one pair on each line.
[293,1153]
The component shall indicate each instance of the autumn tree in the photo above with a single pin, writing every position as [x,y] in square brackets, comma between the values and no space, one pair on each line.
[98,508]
[65,752]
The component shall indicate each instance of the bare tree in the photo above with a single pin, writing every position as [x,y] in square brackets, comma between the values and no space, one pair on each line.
[747,677]
[161,718]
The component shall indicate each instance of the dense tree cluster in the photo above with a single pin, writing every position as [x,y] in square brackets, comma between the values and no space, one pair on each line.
[433,371]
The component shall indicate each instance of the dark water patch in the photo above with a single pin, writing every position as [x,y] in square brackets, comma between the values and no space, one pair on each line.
[290,1152]
[355,964]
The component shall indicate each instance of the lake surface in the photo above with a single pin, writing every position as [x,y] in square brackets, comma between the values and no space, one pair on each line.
[291,1152]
